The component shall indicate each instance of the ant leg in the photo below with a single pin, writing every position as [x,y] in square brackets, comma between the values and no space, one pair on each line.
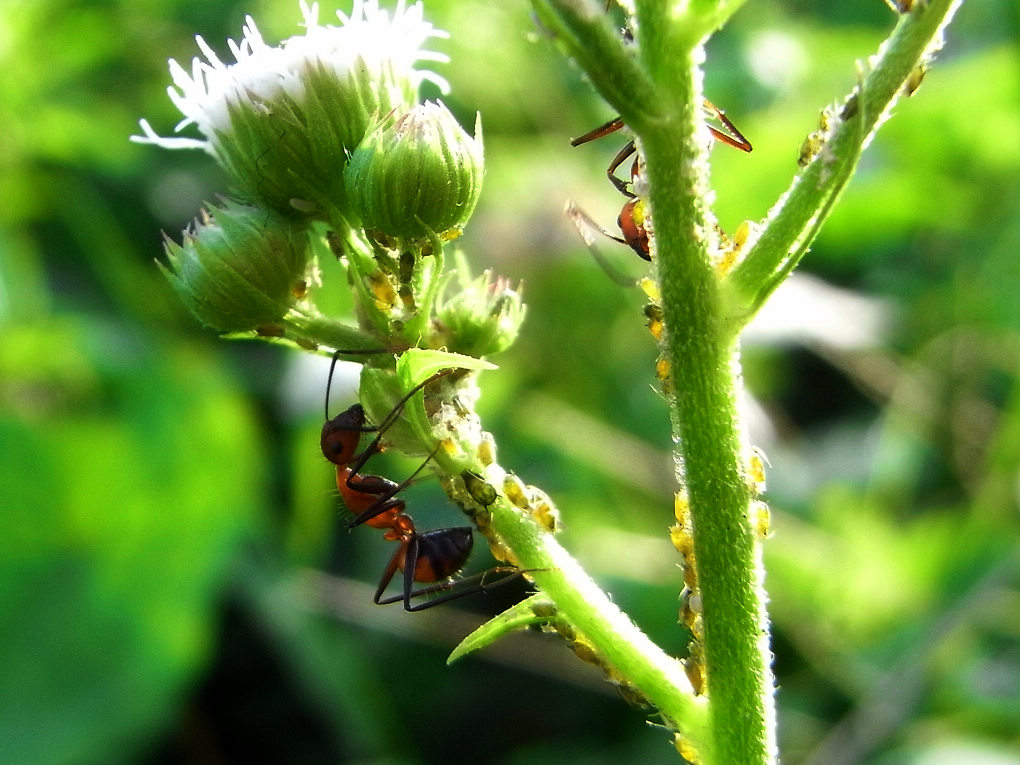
[384,581]
[610,127]
[369,497]
[734,138]
[433,556]
[621,185]
[456,590]
[384,490]
[399,407]
[737,143]
[354,352]
[585,226]
[382,427]
[342,435]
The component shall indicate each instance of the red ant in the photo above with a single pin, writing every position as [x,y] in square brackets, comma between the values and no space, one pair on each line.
[731,137]
[632,217]
[429,557]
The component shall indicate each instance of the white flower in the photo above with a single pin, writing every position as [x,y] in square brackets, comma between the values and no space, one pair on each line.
[368,42]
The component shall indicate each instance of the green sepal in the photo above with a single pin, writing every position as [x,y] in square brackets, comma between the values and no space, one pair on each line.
[518,617]
[381,390]
[418,364]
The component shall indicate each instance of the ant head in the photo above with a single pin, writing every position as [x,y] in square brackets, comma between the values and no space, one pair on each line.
[341,435]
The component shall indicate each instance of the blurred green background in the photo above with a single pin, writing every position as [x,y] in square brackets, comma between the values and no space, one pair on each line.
[175,581]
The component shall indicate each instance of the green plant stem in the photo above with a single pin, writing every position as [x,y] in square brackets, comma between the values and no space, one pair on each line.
[704,372]
[617,641]
[793,222]
[705,378]
[584,29]
[703,358]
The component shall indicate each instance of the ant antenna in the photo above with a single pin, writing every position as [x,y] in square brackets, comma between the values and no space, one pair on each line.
[398,408]
[353,352]
[585,227]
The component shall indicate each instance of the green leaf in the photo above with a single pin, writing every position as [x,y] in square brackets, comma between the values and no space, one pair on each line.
[130,475]
[527,613]
[418,364]
[382,392]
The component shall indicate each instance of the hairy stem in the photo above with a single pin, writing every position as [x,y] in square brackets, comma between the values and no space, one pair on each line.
[658,676]
[797,217]
[705,379]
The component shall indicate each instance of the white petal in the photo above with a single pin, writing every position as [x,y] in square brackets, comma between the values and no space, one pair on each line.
[387,45]
[166,143]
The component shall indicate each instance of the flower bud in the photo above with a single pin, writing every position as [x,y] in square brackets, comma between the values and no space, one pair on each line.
[238,267]
[483,317]
[417,178]
[283,119]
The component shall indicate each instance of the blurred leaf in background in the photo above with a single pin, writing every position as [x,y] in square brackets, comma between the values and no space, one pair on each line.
[161,491]
[131,470]
[128,480]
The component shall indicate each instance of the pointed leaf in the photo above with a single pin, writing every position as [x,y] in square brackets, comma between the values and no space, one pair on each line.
[530,611]
[418,364]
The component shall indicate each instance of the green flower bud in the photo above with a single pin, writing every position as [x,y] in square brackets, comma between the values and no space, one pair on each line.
[239,267]
[283,119]
[483,318]
[288,152]
[417,178]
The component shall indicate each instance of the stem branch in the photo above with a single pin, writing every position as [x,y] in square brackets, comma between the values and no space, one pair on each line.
[796,218]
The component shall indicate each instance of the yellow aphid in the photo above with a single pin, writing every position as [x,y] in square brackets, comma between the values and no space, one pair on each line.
[742,233]
[653,313]
[651,288]
[761,518]
[726,261]
[543,510]
[686,750]
[502,553]
[662,369]
[516,491]
[486,449]
[381,289]
[756,473]
[682,507]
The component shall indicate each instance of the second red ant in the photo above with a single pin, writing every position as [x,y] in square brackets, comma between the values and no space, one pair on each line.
[632,217]
[731,136]
[429,558]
